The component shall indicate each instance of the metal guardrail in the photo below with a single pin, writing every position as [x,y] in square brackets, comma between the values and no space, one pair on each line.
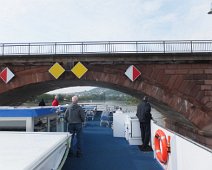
[50,48]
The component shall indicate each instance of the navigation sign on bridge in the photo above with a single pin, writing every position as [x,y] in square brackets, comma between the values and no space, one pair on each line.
[79,70]
[6,75]
[56,70]
[132,73]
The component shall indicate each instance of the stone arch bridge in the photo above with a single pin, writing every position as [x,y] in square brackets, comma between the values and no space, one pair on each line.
[176,75]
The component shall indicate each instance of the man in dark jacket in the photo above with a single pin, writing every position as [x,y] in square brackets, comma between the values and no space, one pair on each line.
[75,116]
[144,116]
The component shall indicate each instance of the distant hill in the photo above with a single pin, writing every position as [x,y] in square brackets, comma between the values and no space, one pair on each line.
[104,94]
[96,94]
[100,91]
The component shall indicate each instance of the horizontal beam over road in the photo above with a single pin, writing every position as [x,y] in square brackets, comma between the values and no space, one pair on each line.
[112,58]
[105,47]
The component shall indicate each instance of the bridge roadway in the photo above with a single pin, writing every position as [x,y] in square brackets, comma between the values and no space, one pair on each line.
[176,75]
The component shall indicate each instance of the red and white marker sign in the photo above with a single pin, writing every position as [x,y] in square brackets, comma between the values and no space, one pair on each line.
[6,75]
[132,73]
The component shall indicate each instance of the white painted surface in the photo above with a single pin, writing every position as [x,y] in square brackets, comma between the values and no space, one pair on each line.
[23,121]
[132,130]
[19,122]
[118,124]
[185,154]
[30,124]
[135,125]
[27,151]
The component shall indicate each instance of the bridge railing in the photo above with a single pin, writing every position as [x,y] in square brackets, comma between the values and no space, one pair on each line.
[106,47]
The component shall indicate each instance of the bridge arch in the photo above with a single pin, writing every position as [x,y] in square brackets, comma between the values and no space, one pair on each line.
[169,85]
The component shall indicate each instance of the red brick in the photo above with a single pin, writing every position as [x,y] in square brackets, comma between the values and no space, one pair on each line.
[208,81]
[207,66]
[184,66]
[178,82]
[181,71]
[209,105]
[189,87]
[196,71]
[169,71]
[147,72]
[33,70]
[199,77]
[160,66]
[208,71]
[208,93]
[172,81]
[195,91]
[205,99]
[173,76]
[189,77]
[198,118]
[160,75]
[165,79]
[183,86]
[206,87]
[199,95]
[208,76]
[17,69]
[172,66]
[154,74]
[197,66]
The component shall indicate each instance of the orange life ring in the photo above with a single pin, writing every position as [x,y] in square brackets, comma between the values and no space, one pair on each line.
[161,149]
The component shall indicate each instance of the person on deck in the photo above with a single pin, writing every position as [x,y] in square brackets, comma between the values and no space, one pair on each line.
[42,103]
[75,116]
[55,102]
[144,116]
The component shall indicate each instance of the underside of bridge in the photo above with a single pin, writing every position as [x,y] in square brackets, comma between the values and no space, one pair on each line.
[174,87]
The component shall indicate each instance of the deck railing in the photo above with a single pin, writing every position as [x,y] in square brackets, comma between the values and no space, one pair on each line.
[50,48]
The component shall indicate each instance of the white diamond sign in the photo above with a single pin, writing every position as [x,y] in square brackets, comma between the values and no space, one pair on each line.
[6,75]
[132,73]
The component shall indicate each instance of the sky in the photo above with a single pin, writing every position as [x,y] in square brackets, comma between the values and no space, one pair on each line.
[71,90]
[104,20]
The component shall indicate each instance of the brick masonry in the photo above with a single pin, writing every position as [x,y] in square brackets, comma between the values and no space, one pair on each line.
[186,88]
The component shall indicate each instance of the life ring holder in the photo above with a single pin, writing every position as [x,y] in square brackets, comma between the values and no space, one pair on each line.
[161,146]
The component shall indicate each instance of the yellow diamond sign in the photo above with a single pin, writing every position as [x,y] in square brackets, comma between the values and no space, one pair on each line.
[56,70]
[79,70]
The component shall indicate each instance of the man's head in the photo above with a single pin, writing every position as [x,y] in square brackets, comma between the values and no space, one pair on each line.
[145,98]
[56,97]
[74,99]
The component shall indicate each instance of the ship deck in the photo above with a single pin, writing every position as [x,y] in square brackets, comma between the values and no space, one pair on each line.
[102,151]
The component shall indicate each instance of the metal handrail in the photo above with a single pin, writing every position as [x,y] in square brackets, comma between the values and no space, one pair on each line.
[87,47]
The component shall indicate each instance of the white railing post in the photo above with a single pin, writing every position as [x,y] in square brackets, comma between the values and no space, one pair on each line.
[29,49]
[191,47]
[164,47]
[109,47]
[55,48]
[2,49]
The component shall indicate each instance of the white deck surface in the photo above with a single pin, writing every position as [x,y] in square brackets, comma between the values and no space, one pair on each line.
[21,150]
